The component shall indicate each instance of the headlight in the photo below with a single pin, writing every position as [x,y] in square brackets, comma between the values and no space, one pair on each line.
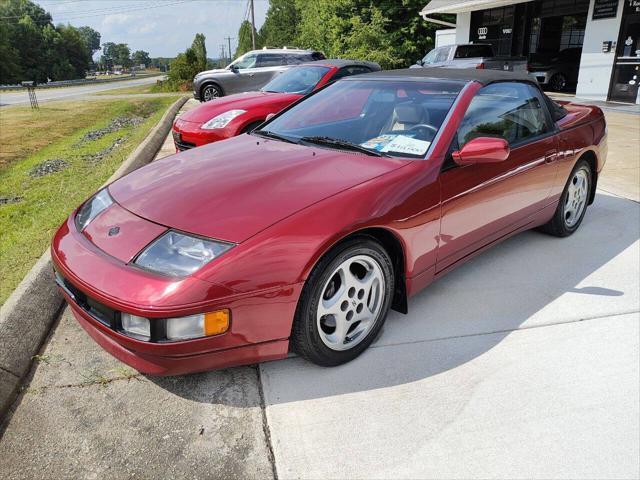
[92,207]
[179,255]
[179,328]
[222,120]
[194,326]
[136,326]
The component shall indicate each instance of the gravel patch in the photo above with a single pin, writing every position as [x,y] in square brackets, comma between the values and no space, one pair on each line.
[48,167]
[10,199]
[99,156]
[115,125]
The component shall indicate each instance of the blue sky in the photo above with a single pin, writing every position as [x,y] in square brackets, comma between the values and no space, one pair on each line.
[163,28]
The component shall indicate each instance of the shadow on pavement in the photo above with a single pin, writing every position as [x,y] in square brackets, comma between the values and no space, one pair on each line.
[527,281]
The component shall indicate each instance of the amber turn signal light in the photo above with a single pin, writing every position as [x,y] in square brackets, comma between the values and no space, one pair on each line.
[216,322]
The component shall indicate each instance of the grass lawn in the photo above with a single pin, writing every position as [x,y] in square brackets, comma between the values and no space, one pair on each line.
[54,158]
[127,90]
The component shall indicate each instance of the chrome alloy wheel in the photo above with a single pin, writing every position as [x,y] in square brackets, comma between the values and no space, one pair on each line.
[351,302]
[576,199]
[210,92]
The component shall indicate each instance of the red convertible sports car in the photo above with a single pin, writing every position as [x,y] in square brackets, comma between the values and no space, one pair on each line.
[306,232]
[240,113]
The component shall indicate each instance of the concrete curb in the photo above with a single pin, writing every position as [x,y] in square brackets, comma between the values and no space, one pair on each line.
[27,315]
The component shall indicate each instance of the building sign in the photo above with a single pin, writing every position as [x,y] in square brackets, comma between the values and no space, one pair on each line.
[605,9]
[632,6]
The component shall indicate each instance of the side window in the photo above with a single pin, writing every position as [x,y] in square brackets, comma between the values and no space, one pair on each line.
[348,71]
[509,110]
[270,60]
[430,57]
[296,59]
[246,61]
[443,54]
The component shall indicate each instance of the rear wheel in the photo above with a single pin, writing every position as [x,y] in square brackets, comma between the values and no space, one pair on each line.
[211,91]
[573,202]
[344,303]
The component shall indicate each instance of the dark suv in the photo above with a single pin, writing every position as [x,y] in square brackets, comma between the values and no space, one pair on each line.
[248,73]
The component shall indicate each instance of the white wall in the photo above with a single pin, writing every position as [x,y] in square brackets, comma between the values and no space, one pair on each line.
[445,37]
[596,67]
[463,26]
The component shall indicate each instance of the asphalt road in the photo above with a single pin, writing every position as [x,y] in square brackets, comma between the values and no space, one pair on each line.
[68,93]
[523,363]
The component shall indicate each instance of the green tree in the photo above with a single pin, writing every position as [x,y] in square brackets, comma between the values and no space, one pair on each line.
[244,39]
[91,39]
[280,27]
[31,48]
[200,50]
[140,57]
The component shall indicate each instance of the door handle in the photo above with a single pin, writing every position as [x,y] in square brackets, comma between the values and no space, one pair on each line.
[550,156]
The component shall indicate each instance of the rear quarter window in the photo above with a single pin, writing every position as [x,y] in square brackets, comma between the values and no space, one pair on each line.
[473,51]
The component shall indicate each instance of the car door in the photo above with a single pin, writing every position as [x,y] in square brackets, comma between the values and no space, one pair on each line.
[483,202]
[243,76]
[269,64]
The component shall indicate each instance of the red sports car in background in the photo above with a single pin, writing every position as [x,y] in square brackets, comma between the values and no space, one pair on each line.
[306,232]
[232,115]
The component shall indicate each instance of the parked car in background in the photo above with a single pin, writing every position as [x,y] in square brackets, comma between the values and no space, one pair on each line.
[472,55]
[242,112]
[248,73]
[559,71]
[304,233]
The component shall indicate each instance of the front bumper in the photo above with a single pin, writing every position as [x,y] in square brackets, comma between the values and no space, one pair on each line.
[187,135]
[100,287]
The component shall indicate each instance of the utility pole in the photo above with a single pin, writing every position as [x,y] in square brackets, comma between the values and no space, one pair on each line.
[229,40]
[253,27]
[222,55]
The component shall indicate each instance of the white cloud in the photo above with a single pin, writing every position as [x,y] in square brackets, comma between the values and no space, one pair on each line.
[163,31]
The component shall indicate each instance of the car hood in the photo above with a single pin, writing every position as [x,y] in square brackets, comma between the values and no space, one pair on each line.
[212,72]
[233,189]
[243,101]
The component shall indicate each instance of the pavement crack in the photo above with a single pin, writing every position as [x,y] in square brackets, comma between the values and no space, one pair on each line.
[506,331]
[265,425]
[103,382]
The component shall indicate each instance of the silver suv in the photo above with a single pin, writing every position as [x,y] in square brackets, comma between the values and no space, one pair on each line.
[248,73]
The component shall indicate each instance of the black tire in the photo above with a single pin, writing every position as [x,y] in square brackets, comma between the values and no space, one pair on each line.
[251,127]
[558,226]
[305,337]
[210,91]
[558,82]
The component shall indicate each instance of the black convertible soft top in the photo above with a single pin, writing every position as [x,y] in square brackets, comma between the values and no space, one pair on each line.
[484,77]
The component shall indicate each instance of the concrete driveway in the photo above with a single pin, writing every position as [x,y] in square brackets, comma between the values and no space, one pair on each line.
[523,363]
[68,93]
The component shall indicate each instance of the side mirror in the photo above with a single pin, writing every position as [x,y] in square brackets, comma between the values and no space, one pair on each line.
[269,117]
[482,150]
[233,68]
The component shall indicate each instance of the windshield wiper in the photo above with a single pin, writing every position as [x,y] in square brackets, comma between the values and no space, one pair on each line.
[276,136]
[342,144]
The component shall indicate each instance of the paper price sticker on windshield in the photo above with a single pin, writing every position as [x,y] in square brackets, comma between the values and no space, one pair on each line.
[378,143]
[408,145]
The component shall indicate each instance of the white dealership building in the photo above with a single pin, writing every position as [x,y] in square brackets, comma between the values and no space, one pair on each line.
[603,34]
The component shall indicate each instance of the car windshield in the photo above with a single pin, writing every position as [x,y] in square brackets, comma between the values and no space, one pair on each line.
[300,80]
[379,117]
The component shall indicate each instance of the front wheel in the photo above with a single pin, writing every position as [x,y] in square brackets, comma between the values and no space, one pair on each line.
[573,202]
[558,82]
[209,92]
[344,303]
